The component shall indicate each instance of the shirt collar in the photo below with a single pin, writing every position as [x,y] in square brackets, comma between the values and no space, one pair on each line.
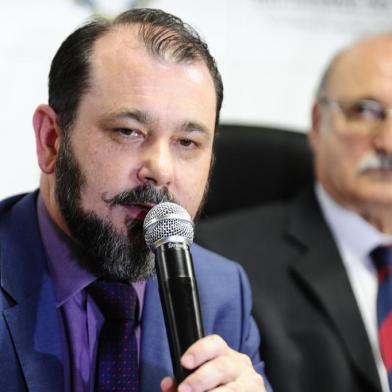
[350,229]
[68,276]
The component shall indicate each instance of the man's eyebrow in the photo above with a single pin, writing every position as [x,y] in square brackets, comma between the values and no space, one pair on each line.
[366,97]
[191,126]
[130,114]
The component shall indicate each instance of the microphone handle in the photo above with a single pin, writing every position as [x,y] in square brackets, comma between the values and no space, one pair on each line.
[180,301]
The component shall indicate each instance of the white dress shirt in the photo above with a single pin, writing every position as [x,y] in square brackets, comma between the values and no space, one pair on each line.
[355,239]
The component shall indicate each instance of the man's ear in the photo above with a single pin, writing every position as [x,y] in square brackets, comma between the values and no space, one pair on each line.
[47,137]
[314,133]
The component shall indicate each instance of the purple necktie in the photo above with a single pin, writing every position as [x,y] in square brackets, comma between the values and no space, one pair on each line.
[382,257]
[117,359]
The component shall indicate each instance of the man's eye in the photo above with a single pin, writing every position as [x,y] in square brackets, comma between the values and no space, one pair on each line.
[187,143]
[127,132]
[366,110]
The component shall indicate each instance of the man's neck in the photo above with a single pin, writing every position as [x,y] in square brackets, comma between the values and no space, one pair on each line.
[378,216]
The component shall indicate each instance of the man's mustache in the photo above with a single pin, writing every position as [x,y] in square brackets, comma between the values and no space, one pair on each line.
[145,194]
[375,161]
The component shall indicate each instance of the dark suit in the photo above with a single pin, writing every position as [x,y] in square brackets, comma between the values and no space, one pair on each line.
[30,340]
[314,336]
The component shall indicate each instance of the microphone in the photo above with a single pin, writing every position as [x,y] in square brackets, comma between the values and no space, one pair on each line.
[168,231]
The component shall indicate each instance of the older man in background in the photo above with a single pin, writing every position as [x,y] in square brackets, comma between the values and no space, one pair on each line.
[320,265]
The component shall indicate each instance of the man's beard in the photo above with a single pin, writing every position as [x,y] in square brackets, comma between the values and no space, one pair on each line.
[99,247]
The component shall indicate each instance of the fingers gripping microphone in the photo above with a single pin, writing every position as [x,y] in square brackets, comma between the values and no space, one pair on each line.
[168,231]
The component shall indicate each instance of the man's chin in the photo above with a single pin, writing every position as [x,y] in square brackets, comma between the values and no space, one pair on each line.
[121,268]
[373,195]
[106,252]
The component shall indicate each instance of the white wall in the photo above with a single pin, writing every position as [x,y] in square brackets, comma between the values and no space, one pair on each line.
[270,53]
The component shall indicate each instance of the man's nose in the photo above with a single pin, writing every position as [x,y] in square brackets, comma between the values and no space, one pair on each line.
[383,135]
[157,164]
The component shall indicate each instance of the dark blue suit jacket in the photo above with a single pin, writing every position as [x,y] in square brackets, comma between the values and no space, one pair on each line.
[30,344]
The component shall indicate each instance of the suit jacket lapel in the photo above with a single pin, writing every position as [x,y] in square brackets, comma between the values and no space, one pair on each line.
[321,270]
[155,360]
[32,320]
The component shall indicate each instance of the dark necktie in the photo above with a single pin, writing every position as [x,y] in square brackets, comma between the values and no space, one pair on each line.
[382,257]
[117,359]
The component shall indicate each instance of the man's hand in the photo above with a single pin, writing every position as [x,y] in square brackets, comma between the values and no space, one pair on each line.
[219,369]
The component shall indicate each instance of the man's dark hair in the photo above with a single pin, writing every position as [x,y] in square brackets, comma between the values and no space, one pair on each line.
[163,35]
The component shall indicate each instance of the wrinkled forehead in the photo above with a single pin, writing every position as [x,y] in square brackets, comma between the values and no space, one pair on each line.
[363,71]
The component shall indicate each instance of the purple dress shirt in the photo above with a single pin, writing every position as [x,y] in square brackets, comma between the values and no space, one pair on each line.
[79,317]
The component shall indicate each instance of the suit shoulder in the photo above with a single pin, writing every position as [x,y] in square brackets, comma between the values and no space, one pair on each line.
[206,259]
[220,278]
[13,214]
[7,204]
[215,268]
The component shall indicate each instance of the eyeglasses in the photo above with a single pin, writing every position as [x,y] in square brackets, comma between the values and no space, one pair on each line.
[363,116]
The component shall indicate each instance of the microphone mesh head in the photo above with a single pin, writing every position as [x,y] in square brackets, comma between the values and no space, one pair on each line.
[167,220]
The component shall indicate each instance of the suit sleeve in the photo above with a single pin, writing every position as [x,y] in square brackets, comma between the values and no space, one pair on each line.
[250,341]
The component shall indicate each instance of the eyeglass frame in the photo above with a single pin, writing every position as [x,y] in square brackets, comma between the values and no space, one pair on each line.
[344,107]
